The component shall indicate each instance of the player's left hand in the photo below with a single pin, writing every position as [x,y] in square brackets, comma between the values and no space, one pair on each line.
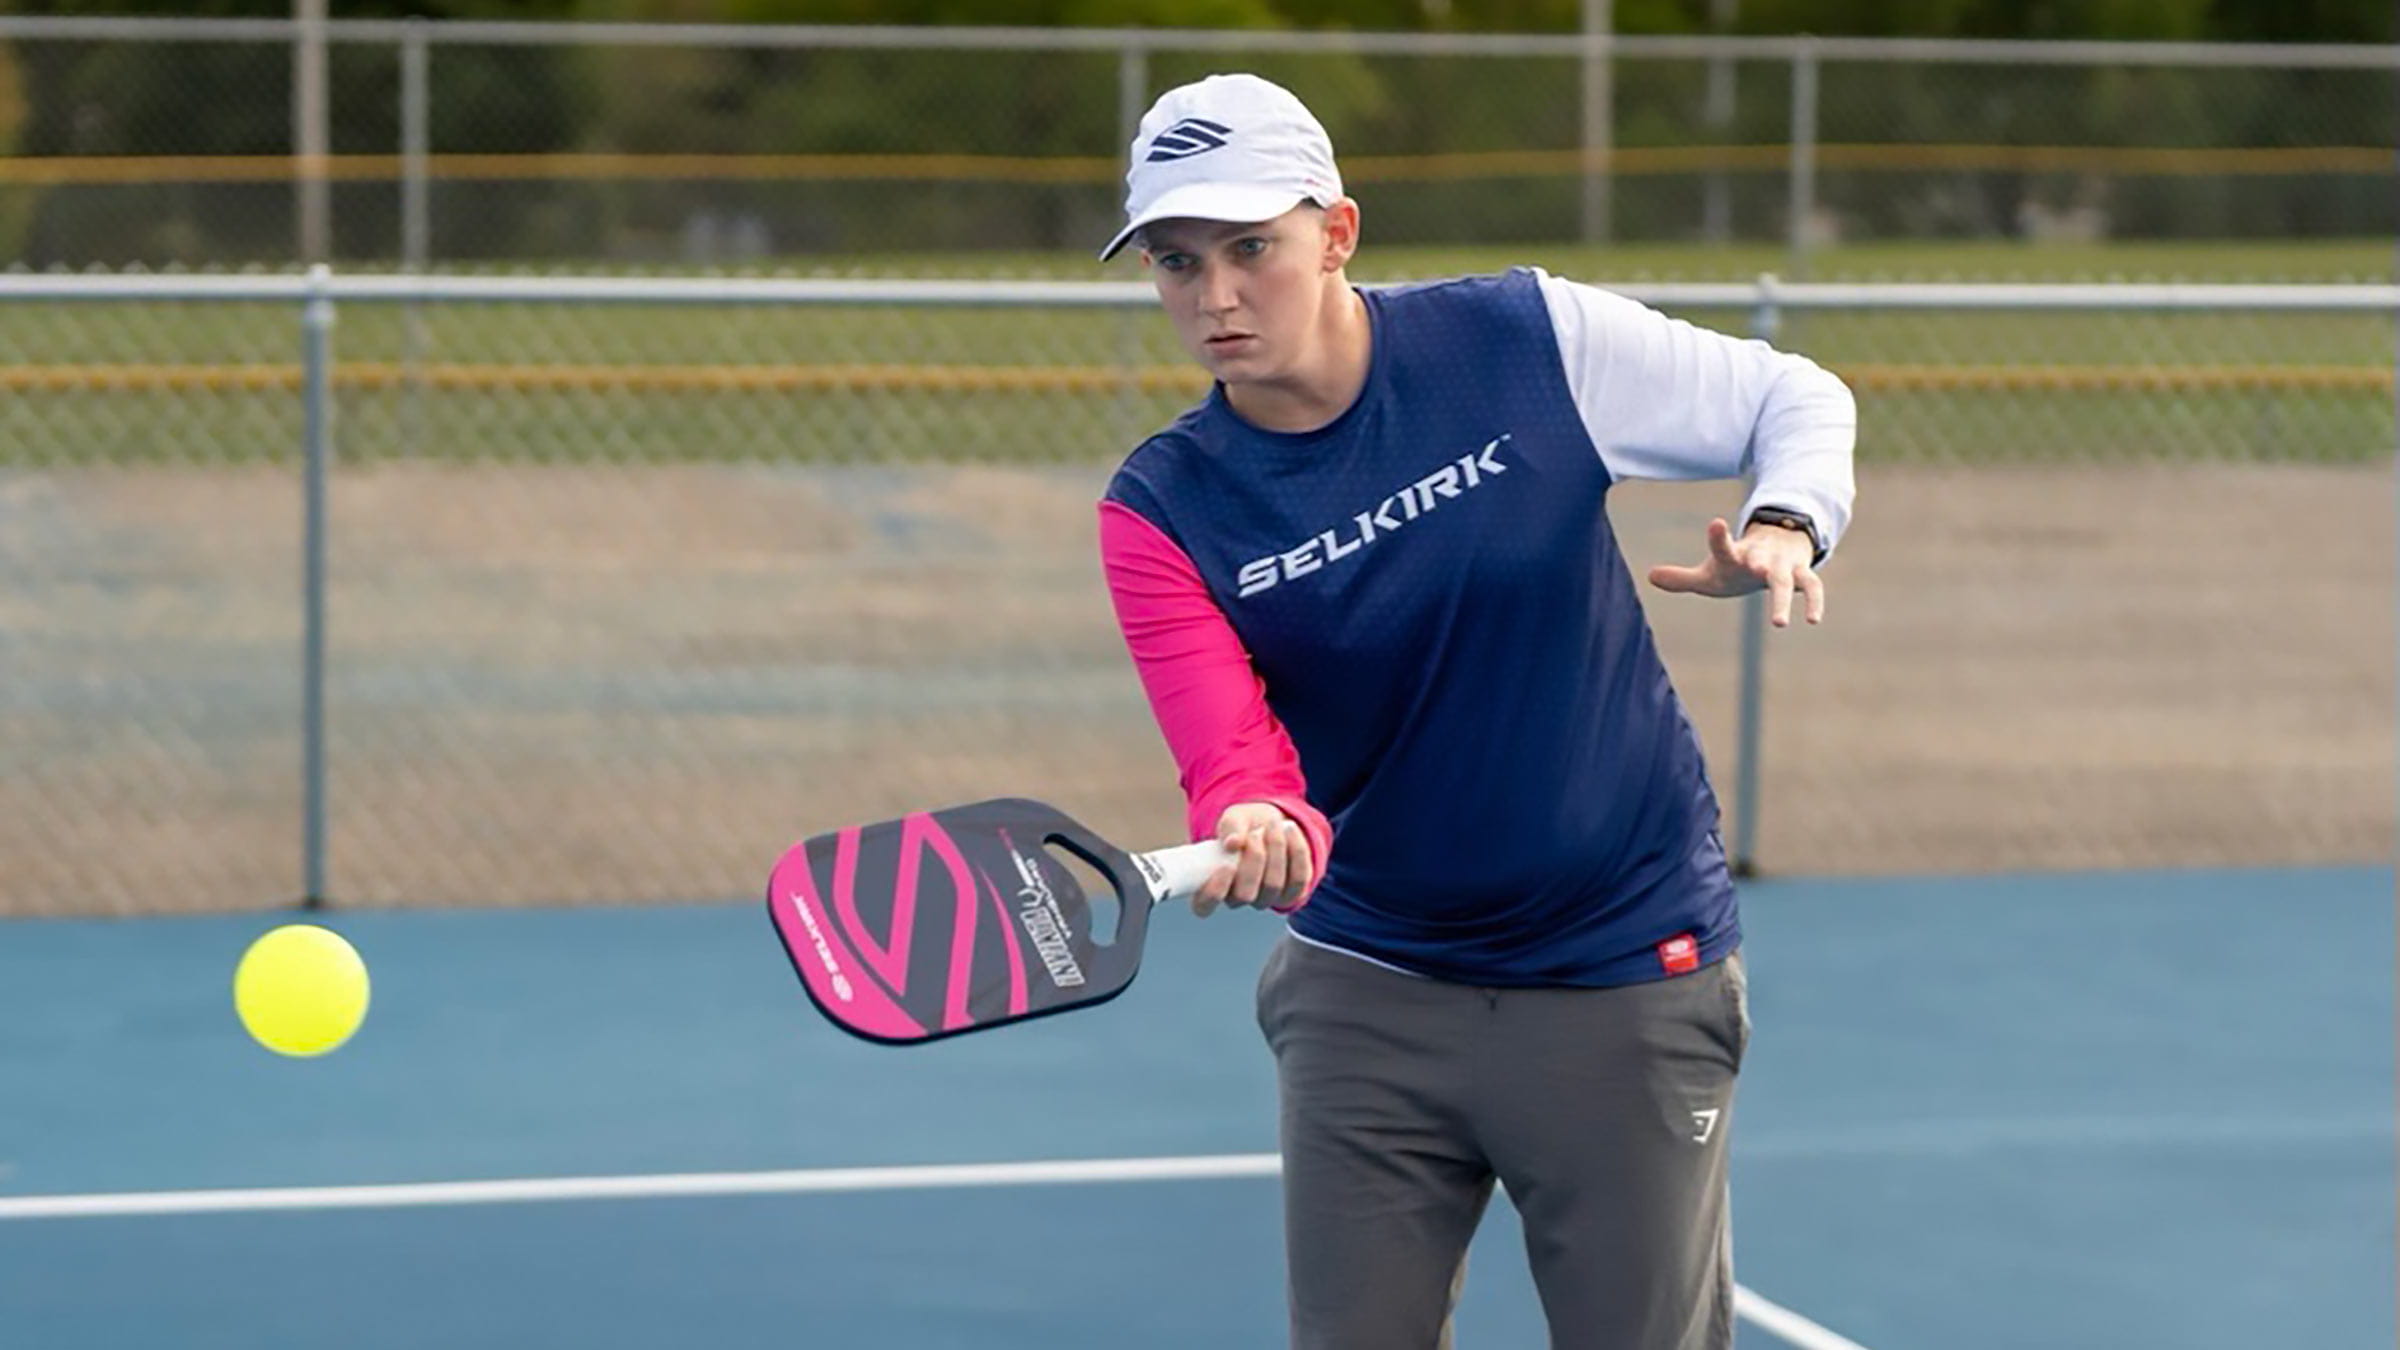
[1768,557]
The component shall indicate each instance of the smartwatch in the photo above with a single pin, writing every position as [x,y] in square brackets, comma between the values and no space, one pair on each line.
[1791,520]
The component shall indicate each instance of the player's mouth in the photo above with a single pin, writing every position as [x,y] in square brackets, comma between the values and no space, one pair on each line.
[1230,342]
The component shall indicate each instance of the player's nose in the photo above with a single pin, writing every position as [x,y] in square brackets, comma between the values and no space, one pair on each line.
[1218,293]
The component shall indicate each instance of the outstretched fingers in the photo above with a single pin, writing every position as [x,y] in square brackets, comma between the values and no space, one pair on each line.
[1779,595]
[1720,544]
[1719,574]
[1684,580]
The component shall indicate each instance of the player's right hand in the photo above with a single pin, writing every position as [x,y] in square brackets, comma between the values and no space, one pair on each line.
[1271,866]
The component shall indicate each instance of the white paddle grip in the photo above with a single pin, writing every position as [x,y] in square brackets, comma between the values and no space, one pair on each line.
[1179,873]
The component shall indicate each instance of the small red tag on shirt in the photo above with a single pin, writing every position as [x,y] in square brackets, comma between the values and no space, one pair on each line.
[1680,954]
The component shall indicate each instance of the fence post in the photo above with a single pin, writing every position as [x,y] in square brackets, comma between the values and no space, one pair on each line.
[1717,110]
[1803,177]
[1133,91]
[1599,121]
[311,132]
[416,220]
[1133,99]
[1764,322]
[416,225]
[316,328]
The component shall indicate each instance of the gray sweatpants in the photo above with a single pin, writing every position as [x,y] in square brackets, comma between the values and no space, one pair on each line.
[1604,1112]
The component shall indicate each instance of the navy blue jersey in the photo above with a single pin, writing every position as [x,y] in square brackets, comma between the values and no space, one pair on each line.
[1438,615]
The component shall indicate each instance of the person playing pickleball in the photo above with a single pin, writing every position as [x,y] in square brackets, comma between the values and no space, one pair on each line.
[1371,590]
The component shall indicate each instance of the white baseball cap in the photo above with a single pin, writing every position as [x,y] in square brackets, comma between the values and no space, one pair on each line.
[1229,147]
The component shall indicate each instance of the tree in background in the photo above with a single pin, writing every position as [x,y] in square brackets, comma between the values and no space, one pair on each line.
[1055,119]
[2152,107]
[224,98]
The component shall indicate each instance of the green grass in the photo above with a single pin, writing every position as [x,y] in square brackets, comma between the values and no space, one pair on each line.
[1978,426]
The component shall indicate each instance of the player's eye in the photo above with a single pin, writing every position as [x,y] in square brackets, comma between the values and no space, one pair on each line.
[1250,246]
[1173,262]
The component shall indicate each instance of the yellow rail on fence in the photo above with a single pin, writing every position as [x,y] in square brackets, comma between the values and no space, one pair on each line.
[2084,379]
[613,166]
[954,379]
[650,379]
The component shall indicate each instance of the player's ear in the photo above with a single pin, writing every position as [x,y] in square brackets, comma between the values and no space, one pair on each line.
[1341,234]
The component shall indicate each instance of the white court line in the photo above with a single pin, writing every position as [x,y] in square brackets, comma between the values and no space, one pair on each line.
[641,1187]
[1785,1325]
[1769,1317]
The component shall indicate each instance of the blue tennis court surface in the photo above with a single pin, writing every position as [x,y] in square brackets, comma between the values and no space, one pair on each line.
[2095,1110]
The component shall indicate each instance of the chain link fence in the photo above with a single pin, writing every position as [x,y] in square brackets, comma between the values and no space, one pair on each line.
[622,598]
[176,142]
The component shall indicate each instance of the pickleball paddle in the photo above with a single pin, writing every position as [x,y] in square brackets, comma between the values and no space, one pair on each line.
[966,918]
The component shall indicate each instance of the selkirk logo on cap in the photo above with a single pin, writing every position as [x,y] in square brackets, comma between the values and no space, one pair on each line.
[1228,148]
[1189,137]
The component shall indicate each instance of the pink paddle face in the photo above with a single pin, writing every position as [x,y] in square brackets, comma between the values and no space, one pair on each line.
[954,920]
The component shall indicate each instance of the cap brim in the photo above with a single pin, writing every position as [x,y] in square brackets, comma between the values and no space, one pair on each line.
[1240,202]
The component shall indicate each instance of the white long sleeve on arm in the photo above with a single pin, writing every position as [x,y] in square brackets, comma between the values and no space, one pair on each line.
[1665,399]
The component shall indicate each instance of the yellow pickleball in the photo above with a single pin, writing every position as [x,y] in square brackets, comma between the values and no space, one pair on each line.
[300,990]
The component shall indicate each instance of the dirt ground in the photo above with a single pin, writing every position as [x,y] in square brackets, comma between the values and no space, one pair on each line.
[639,684]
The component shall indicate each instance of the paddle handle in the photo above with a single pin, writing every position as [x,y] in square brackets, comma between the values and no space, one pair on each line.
[1178,873]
